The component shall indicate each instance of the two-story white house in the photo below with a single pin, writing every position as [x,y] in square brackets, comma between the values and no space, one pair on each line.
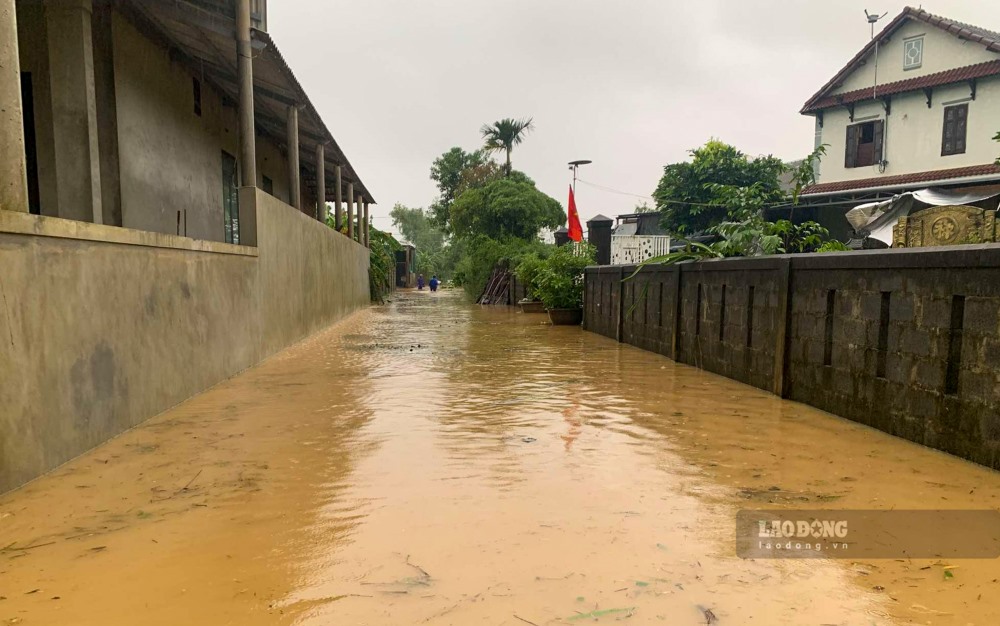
[917,107]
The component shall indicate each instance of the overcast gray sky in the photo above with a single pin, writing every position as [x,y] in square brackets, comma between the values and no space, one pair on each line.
[629,84]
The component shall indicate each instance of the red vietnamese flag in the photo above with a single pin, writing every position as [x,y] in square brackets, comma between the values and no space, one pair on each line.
[575,230]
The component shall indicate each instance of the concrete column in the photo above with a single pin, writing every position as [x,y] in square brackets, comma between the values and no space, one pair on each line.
[13,164]
[360,218]
[320,182]
[244,54]
[74,110]
[294,183]
[338,214]
[350,210]
[367,227]
[599,236]
[561,235]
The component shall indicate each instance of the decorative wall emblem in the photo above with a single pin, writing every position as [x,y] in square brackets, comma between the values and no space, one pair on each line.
[944,229]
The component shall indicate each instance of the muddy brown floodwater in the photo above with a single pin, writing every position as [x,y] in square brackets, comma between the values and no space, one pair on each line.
[431,462]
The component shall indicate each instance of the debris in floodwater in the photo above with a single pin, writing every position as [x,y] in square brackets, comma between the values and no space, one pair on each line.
[641,583]
[598,613]
[710,617]
[528,439]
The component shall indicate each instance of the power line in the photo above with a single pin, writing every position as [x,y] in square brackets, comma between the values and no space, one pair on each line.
[609,189]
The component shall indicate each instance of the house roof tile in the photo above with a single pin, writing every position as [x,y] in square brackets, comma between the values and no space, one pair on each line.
[903,179]
[988,38]
[957,75]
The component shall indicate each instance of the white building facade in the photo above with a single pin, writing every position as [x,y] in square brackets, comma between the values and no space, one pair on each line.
[919,106]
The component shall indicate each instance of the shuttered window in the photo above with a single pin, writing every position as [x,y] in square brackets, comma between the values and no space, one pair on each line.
[864,145]
[956,120]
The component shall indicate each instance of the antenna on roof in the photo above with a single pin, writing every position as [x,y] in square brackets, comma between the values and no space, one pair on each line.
[872,19]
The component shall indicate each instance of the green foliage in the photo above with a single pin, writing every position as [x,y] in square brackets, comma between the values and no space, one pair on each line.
[448,171]
[480,255]
[382,272]
[527,272]
[503,135]
[685,195]
[559,281]
[417,228]
[804,174]
[505,208]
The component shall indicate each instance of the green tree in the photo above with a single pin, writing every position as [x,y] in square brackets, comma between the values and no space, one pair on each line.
[503,135]
[416,227]
[684,195]
[509,207]
[449,171]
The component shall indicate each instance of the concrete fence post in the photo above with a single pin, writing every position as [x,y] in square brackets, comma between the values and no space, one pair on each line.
[244,55]
[294,180]
[675,339]
[367,227]
[350,210]
[13,166]
[320,182]
[338,215]
[361,226]
[783,330]
[620,312]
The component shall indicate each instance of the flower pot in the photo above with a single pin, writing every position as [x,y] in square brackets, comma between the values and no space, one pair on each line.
[531,306]
[566,317]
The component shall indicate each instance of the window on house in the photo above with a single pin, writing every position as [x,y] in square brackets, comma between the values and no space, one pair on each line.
[955,125]
[196,92]
[864,144]
[913,53]
[230,198]
[268,185]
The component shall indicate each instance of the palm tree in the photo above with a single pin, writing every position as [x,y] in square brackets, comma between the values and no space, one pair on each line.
[504,135]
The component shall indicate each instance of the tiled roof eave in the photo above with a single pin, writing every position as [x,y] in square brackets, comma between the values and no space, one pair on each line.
[919,83]
[985,172]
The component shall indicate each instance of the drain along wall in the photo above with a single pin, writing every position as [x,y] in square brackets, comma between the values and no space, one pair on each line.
[103,327]
[906,341]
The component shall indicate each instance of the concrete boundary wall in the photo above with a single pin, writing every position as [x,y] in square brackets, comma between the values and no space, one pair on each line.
[906,341]
[102,328]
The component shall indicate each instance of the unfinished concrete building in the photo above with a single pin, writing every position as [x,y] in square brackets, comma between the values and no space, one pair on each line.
[164,189]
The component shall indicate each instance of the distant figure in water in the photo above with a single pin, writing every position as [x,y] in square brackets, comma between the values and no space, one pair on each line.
[420,282]
[434,283]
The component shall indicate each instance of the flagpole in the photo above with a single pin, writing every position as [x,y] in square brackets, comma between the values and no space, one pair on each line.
[575,165]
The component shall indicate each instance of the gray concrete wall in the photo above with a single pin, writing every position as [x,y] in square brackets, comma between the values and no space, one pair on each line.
[105,327]
[906,341]
[171,158]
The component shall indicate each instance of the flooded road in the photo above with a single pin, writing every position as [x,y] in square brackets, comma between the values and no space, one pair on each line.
[432,462]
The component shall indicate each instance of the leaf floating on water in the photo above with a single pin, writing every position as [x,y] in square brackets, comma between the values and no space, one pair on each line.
[948,574]
[641,583]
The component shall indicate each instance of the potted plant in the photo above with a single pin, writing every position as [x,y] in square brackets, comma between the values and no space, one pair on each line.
[559,283]
[527,273]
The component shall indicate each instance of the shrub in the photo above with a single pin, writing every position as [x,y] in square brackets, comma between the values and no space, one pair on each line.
[559,283]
